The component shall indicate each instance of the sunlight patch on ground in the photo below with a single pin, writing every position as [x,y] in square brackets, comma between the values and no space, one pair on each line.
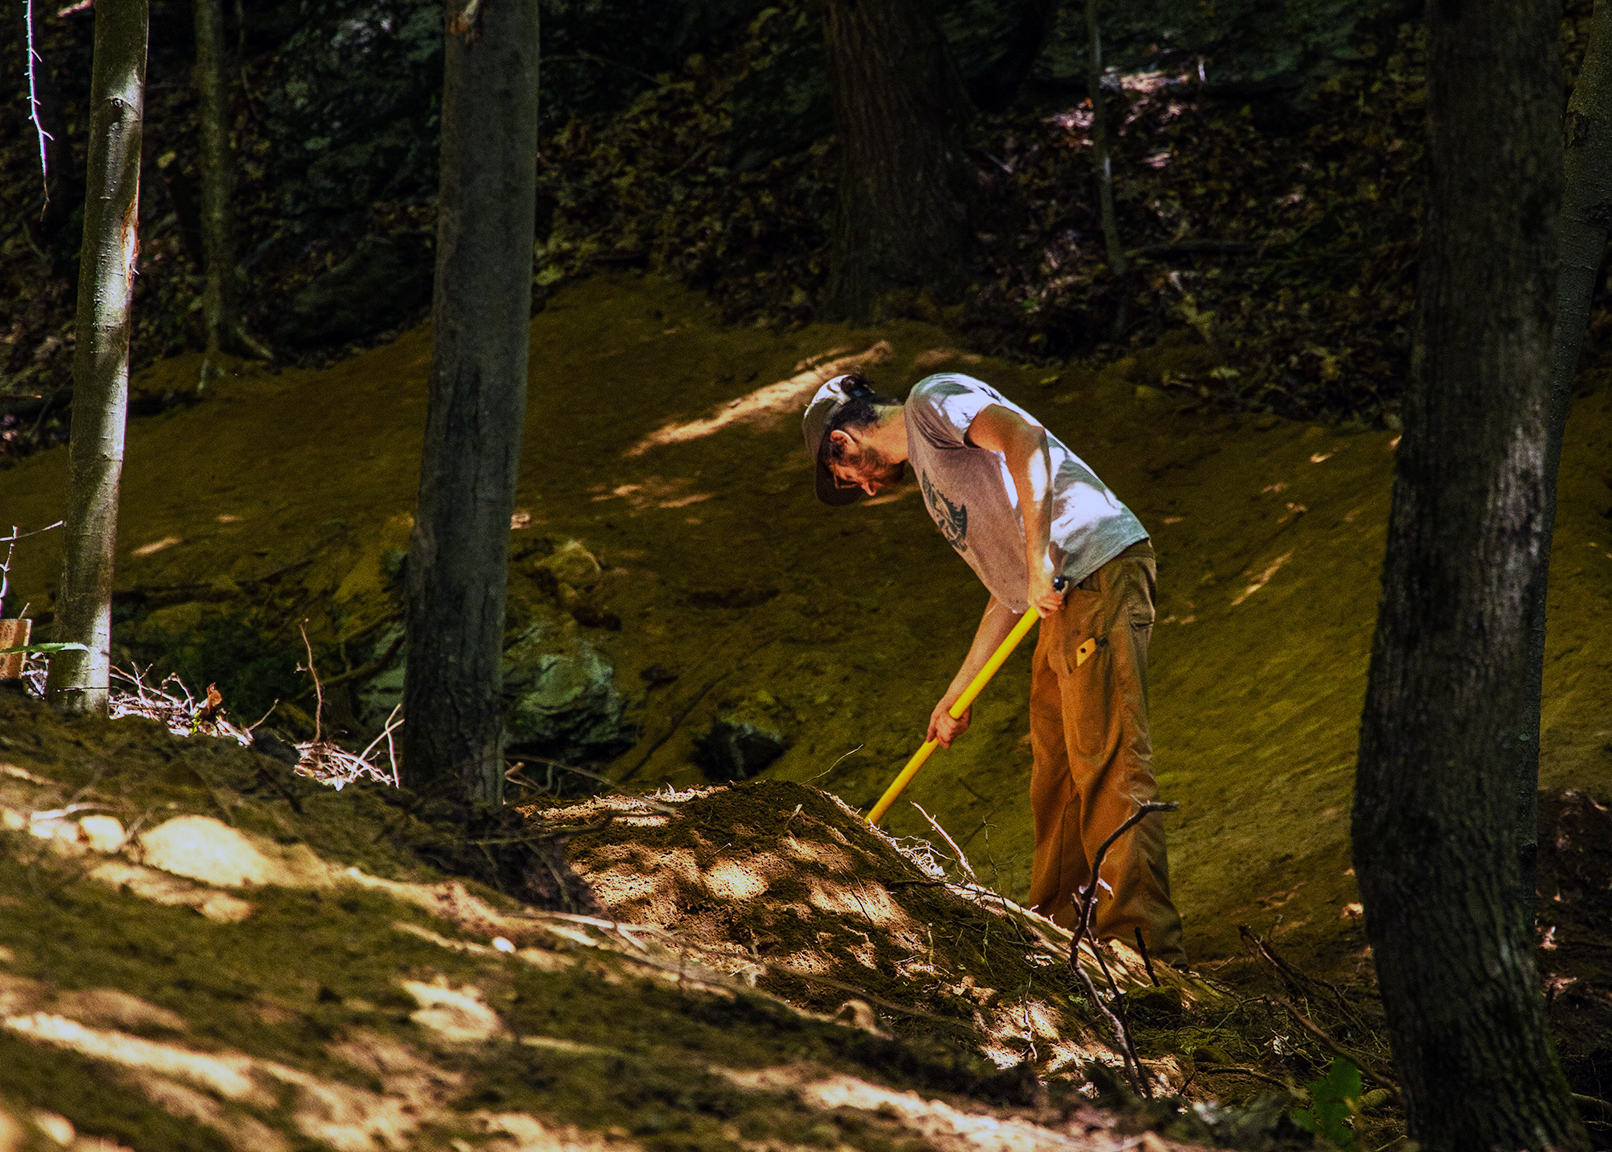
[765,406]
[156,546]
[654,492]
[203,848]
[935,357]
[1263,578]
[228,1074]
[731,880]
[347,1118]
[946,1129]
[869,902]
[457,1014]
[519,1132]
[172,892]
[245,1133]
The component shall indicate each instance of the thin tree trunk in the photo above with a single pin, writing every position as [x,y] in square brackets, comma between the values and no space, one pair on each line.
[481,324]
[78,681]
[221,310]
[60,193]
[1104,160]
[1585,219]
[1099,140]
[1435,803]
[906,188]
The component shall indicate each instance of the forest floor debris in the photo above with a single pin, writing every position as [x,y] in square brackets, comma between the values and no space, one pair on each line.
[267,990]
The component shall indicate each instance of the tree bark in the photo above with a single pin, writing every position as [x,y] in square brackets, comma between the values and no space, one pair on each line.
[78,681]
[906,192]
[221,309]
[1103,158]
[1585,220]
[481,324]
[1435,805]
[1100,140]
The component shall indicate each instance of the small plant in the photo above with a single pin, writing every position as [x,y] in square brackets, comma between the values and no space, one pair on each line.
[1334,1105]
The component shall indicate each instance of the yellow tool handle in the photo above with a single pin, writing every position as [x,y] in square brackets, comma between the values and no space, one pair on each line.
[975,686]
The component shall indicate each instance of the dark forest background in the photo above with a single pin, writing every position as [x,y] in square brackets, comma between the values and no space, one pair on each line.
[1266,179]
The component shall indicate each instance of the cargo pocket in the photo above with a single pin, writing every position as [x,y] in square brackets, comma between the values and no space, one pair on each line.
[1082,625]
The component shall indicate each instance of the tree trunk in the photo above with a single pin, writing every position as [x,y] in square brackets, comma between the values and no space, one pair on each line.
[78,681]
[1585,219]
[906,189]
[221,310]
[1104,161]
[1434,819]
[481,324]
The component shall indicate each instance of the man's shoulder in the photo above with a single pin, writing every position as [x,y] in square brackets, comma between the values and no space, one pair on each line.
[942,384]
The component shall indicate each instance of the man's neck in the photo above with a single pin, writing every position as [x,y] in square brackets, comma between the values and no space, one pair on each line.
[889,435]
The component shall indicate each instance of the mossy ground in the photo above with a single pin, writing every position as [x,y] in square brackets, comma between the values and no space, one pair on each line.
[668,445]
[302,1025]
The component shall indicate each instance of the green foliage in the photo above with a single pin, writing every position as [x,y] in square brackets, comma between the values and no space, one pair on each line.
[1334,1104]
[44,649]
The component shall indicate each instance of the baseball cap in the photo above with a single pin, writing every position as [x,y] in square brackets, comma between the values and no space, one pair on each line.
[820,412]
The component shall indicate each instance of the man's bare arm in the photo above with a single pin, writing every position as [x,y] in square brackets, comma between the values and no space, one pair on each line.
[1029,462]
[994,626]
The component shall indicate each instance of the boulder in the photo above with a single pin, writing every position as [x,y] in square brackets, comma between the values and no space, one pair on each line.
[377,696]
[562,700]
[573,565]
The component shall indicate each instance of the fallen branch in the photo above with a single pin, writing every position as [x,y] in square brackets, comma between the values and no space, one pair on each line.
[1083,926]
[1364,1063]
[1240,1070]
[1120,1034]
[33,105]
[318,690]
[1297,980]
[1089,901]
[363,671]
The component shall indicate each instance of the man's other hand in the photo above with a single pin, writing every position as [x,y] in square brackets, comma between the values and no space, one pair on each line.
[941,725]
[1043,597]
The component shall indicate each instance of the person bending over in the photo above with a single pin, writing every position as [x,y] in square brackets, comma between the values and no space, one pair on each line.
[1023,510]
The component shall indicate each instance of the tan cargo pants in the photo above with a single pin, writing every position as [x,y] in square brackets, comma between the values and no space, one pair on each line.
[1094,759]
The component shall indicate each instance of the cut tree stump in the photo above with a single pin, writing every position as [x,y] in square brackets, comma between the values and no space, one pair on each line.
[13,634]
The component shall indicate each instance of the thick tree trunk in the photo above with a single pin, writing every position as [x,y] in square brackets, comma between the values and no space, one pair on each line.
[78,681]
[220,305]
[481,323]
[902,216]
[1434,832]
[1585,219]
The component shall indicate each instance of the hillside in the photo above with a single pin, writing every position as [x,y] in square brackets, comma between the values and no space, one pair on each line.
[671,568]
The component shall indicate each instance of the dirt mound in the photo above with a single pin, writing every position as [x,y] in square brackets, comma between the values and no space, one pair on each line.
[786,887]
[193,963]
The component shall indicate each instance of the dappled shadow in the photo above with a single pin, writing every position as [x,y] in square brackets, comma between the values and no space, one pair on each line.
[784,886]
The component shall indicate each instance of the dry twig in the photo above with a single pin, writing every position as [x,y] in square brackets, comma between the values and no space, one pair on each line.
[961,859]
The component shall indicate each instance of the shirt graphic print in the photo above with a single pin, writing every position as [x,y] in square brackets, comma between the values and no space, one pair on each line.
[952,519]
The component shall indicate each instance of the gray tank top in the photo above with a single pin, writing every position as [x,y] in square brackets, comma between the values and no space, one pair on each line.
[970,494]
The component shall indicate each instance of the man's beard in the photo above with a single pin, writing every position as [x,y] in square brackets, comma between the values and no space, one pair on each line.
[877,466]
